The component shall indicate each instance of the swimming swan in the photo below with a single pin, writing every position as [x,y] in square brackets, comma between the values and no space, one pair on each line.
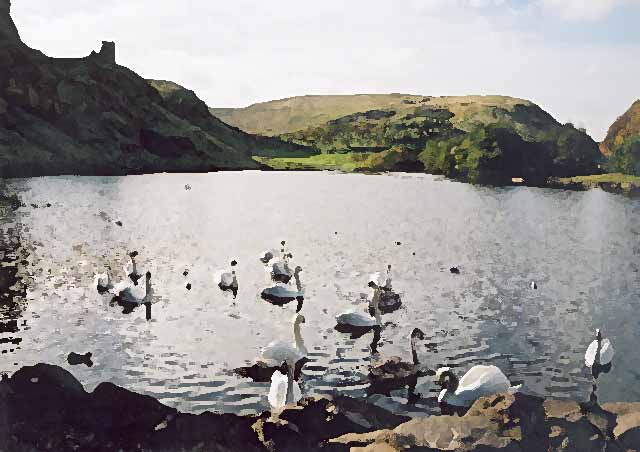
[282,293]
[395,373]
[136,294]
[284,390]
[355,320]
[599,353]
[228,281]
[278,351]
[103,282]
[478,382]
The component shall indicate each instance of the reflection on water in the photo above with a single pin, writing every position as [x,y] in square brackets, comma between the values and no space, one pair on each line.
[581,248]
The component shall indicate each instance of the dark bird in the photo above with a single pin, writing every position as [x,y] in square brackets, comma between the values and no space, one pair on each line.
[395,373]
[455,270]
[75,358]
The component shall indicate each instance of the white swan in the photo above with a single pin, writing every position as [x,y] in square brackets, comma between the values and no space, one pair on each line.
[278,351]
[266,256]
[600,352]
[284,389]
[131,269]
[103,282]
[282,293]
[228,281]
[136,294]
[357,319]
[479,381]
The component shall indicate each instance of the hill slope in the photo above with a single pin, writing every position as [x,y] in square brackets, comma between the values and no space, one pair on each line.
[91,116]
[487,139]
[622,143]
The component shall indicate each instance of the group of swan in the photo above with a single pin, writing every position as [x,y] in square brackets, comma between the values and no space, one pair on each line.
[281,362]
[128,292]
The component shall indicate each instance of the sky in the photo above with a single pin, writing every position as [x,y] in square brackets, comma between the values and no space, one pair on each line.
[577,59]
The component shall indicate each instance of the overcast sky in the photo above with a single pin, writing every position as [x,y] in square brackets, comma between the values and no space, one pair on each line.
[578,59]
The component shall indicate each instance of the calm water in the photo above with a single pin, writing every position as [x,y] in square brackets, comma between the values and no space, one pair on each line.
[582,248]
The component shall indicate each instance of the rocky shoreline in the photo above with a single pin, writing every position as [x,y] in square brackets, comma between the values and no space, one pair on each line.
[43,407]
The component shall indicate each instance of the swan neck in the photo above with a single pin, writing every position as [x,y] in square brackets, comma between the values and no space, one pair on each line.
[414,354]
[297,338]
[296,276]
[289,397]
[148,286]
[376,306]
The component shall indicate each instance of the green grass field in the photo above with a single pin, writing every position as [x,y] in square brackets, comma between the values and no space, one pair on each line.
[609,178]
[340,162]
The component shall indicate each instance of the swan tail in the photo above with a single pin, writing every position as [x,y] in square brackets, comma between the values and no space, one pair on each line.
[514,389]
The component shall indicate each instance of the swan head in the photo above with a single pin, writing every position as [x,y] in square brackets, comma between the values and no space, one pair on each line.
[417,333]
[297,270]
[299,318]
[446,379]
[148,276]
[133,254]
[234,263]
[283,243]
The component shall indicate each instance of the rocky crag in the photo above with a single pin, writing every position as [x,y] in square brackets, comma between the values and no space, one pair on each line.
[92,116]
[43,407]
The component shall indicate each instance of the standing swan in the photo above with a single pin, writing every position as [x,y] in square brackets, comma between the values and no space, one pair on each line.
[284,390]
[229,280]
[479,381]
[282,293]
[395,373]
[599,355]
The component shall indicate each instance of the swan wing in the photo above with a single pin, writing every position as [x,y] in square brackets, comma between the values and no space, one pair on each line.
[282,291]
[225,278]
[278,390]
[119,287]
[133,294]
[278,351]
[297,393]
[606,352]
[483,380]
[280,268]
[590,354]
[354,318]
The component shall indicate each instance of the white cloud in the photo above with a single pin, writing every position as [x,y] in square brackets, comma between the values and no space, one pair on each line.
[237,53]
[583,10]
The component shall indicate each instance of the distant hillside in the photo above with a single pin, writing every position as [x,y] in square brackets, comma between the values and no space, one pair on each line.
[289,115]
[487,139]
[622,143]
[92,116]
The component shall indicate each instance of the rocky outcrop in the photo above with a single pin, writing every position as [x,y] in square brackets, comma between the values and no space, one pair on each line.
[8,30]
[44,407]
[513,423]
[92,116]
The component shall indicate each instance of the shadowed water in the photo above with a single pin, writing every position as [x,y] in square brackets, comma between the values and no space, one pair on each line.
[581,248]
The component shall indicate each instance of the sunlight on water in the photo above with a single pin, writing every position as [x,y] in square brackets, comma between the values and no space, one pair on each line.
[580,247]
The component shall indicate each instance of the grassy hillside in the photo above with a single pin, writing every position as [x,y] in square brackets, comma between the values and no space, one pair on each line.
[487,139]
[622,143]
[92,116]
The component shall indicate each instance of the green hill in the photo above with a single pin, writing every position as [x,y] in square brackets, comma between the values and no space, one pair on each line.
[622,143]
[92,116]
[486,139]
